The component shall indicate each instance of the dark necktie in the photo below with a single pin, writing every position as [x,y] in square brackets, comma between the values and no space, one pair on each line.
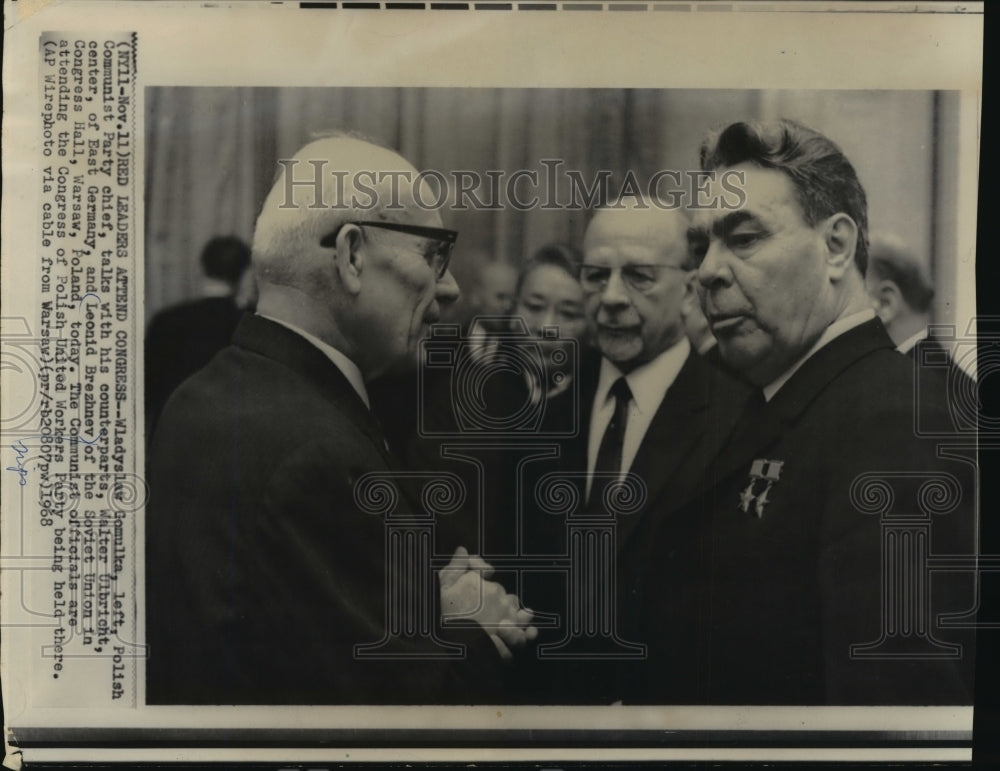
[752,411]
[751,418]
[609,454]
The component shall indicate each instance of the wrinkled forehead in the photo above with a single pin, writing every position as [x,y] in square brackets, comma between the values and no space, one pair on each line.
[752,191]
[621,249]
[630,237]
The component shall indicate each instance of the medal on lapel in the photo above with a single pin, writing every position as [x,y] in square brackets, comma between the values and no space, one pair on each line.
[761,470]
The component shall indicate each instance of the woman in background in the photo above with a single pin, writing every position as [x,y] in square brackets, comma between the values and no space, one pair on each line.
[549,302]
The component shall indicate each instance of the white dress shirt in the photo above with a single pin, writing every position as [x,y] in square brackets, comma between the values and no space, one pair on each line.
[910,343]
[835,330]
[707,345]
[347,367]
[214,287]
[648,383]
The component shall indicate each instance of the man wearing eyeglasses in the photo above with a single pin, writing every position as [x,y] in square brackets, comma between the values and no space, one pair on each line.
[268,575]
[657,409]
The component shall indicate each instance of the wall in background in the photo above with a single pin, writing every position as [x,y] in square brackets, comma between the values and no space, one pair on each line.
[211,157]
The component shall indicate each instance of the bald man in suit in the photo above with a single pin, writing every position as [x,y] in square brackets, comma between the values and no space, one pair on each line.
[268,580]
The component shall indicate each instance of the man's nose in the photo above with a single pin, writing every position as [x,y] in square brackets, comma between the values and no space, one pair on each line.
[615,293]
[447,291]
[714,268]
[549,318]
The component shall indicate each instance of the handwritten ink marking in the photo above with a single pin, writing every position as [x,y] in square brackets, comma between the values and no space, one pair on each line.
[89,294]
[19,469]
[81,440]
[21,449]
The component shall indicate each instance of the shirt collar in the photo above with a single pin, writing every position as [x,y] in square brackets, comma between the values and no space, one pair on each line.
[909,343]
[347,367]
[213,287]
[648,382]
[835,330]
[707,345]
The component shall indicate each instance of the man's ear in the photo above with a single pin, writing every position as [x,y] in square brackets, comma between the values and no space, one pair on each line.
[840,235]
[888,300]
[349,259]
[690,300]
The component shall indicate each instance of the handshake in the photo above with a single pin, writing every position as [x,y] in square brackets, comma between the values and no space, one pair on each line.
[466,593]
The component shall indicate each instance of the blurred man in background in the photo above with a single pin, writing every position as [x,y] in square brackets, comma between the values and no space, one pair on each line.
[181,339]
[497,289]
[491,302]
[899,283]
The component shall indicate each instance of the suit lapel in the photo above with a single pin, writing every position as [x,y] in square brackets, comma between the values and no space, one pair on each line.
[759,431]
[278,343]
[575,449]
[678,426]
[673,432]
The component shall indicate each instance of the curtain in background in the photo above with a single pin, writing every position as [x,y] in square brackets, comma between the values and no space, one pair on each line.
[208,155]
[211,156]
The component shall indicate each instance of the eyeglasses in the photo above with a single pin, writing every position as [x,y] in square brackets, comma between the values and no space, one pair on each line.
[642,278]
[437,254]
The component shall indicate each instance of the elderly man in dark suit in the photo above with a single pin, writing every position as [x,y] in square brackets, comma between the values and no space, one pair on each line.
[800,573]
[267,569]
[652,407]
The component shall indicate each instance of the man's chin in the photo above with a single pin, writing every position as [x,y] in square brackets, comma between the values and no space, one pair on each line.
[620,352]
[743,354]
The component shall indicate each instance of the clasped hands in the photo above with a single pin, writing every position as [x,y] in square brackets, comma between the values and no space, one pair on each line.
[466,593]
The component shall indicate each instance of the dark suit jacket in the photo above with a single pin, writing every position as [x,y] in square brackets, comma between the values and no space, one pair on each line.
[935,370]
[180,341]
[742,609]
[929,352]
[263,573]
[420,429]
[688,430]
[690,426]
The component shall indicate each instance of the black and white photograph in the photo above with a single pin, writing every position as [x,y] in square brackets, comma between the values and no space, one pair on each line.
[636,379]
[395,384]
